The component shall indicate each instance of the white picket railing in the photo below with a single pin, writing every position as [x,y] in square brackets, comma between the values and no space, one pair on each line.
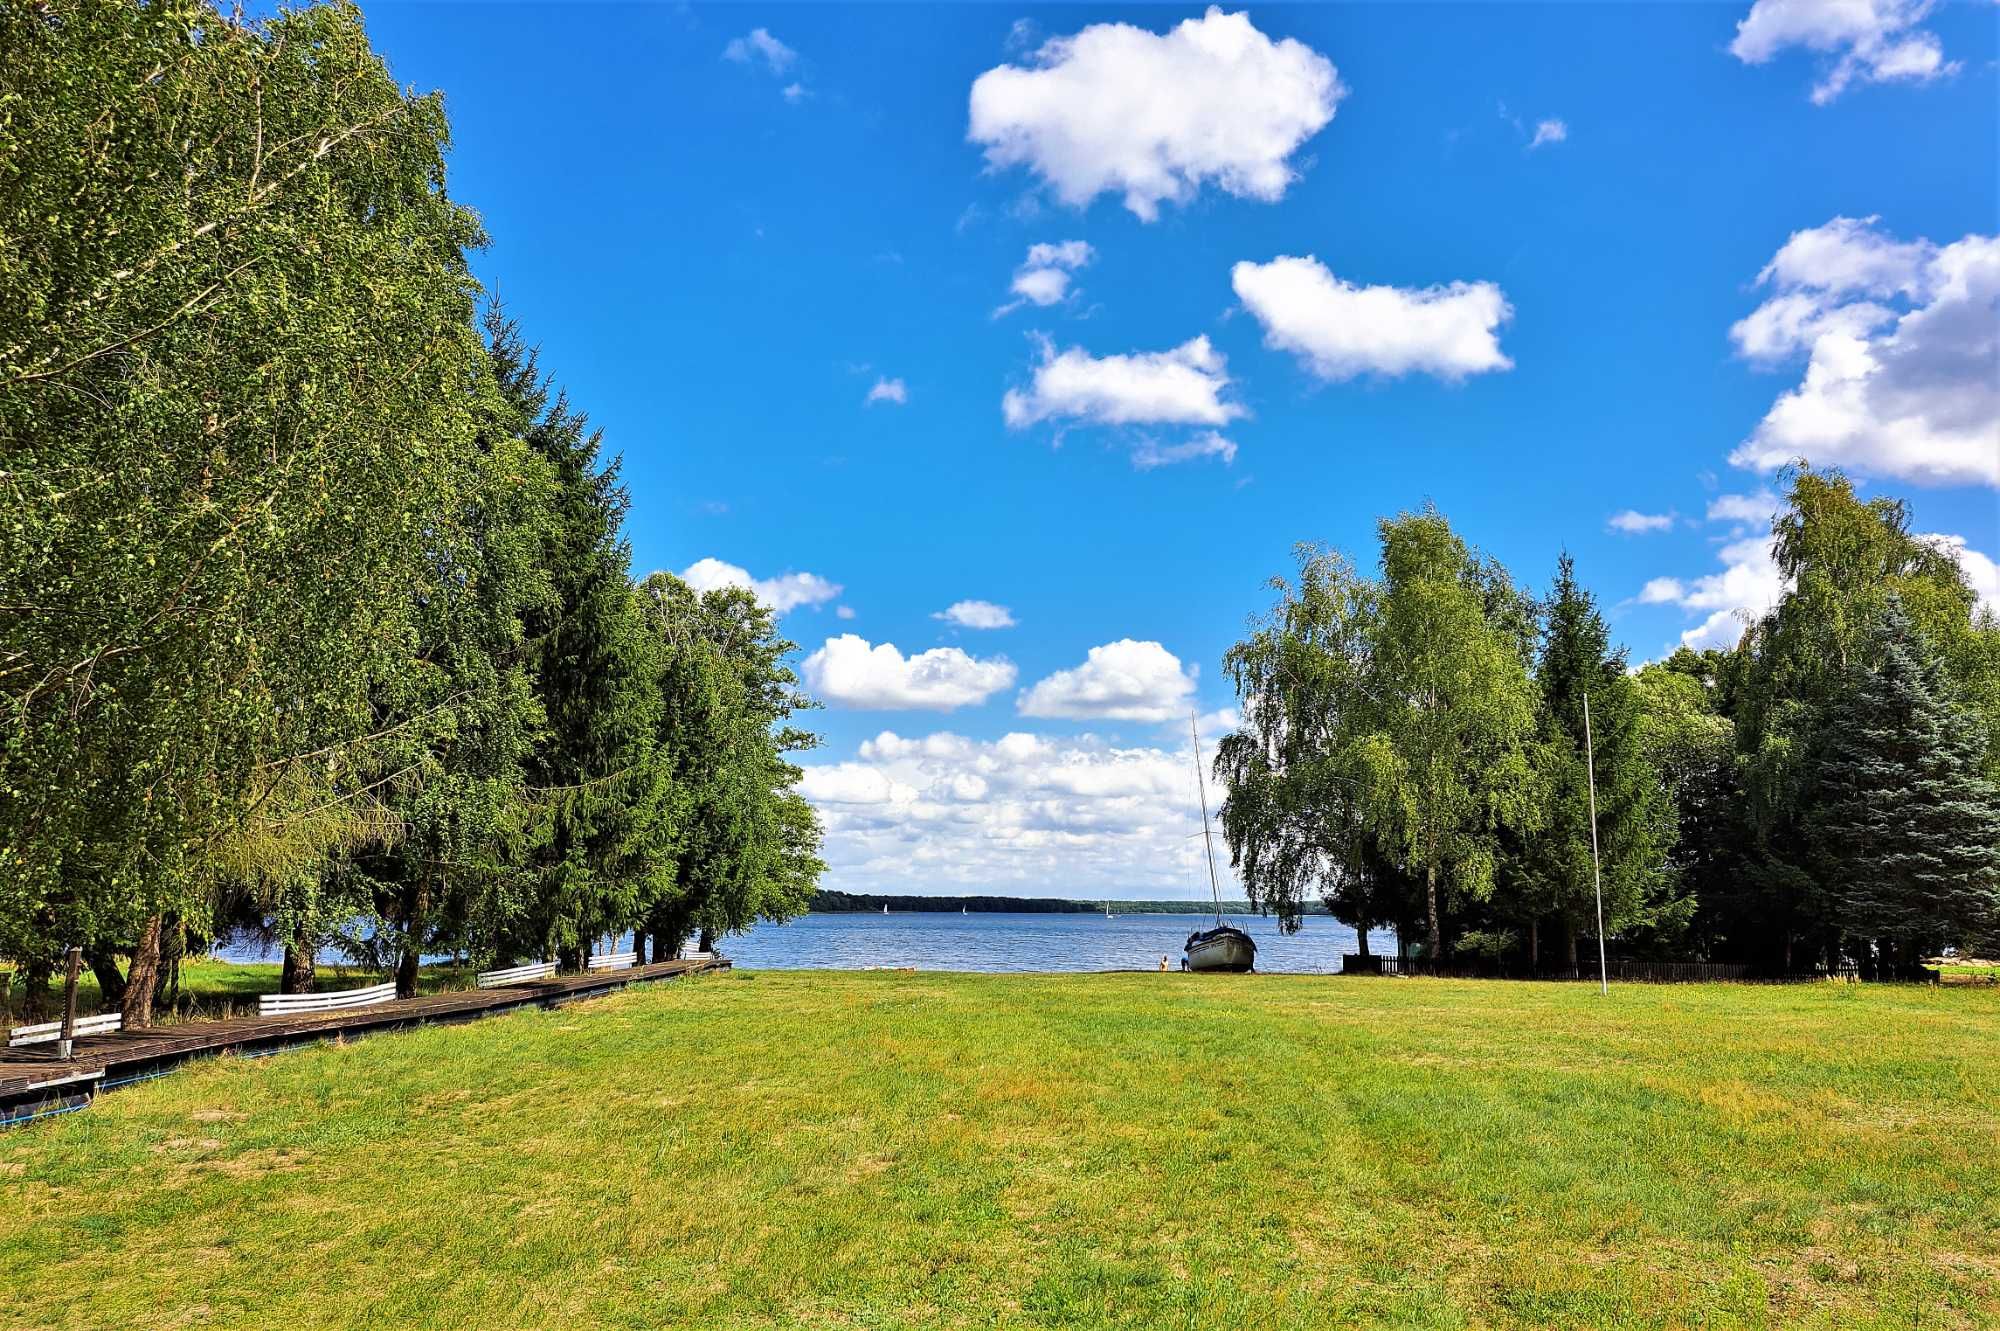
[613,961]
[278,1005]
[48,1032]
[538,970]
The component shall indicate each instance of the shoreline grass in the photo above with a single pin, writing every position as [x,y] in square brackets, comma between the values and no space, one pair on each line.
[791,1149]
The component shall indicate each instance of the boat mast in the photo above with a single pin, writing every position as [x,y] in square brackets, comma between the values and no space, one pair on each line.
[1207,837]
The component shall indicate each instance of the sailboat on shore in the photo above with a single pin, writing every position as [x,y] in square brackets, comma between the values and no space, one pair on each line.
[1225,947]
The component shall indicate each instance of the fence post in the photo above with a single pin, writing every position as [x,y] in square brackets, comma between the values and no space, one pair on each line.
[72,960]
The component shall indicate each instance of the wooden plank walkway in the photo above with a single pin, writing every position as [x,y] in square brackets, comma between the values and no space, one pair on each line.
[34,1075]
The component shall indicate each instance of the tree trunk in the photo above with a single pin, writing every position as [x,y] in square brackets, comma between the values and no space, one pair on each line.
[1534,947]
[141,975]
[300,975]
[638,947]
[1788,952]
[1435,938]
[110,980]
[1361,936]
[37,1005]
[707,943]
[173,947]
[1569,945]
[413,946]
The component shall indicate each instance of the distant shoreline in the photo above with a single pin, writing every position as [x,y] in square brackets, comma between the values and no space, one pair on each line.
[853,903]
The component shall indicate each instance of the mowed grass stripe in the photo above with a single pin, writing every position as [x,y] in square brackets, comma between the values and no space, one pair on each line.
[908,1150]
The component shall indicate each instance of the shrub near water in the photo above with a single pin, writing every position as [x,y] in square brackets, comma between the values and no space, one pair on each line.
[787,1149]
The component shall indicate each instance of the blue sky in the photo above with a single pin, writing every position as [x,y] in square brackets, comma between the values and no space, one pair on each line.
[728,226]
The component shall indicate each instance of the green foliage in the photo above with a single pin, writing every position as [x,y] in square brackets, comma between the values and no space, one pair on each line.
[1385,732]
[746,844]
[234,348]
[1635,817]
[1444,750]
[316,603]
[1845,559]
[1904,829]
[1294,818]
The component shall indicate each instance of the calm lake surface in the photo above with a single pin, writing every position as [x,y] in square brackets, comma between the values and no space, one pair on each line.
[988,941]
[1005,942]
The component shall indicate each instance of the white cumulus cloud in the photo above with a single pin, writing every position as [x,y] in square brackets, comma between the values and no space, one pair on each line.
[1754,510]
[887,390]
[787,591]
[1150,453]
[759,47]
[1340,330]
[976,615]
[1022,815]
[852,672]
[1183,386]
[1153,117]
[1901,341]
[1044,276]
[1634,523]
[1748,585]
[1120,681]
[1867,41]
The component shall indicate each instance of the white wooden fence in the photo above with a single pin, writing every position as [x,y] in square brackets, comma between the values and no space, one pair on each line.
[49,1032]
[613,961]
[539,970]
[278,1005]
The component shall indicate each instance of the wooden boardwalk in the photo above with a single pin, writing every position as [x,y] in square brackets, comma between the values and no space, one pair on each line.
[34,1081]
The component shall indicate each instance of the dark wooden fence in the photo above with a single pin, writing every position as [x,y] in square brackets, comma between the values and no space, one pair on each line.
[1642,972]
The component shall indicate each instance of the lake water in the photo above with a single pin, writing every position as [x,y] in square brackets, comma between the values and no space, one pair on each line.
[1005,942]
[989,941]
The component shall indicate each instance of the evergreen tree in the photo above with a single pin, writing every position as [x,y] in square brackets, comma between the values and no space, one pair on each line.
[1905,830]
[592,773]
[1843,558]
[1634,815]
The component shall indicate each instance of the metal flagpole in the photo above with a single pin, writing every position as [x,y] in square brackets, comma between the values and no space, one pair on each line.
[1596,870]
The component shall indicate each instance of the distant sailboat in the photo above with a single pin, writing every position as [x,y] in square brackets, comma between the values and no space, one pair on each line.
[885,908]
[1107,910]
[963,911]
[1225,947]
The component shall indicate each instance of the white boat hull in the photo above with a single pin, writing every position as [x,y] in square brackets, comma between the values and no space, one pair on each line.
[1223,949]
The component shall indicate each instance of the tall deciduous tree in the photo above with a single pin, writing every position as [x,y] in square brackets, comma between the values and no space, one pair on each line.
[1691,742]
[1294,816]
[1444,756]
[235,344]
[745,843]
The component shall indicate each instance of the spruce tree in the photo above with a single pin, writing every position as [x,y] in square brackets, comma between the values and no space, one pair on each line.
[1905,831]
[1635,828]
[592,775]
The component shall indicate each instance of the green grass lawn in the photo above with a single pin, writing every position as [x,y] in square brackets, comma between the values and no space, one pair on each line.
[914,1150]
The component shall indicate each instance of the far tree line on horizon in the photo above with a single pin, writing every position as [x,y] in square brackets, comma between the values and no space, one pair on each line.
[1413,752]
